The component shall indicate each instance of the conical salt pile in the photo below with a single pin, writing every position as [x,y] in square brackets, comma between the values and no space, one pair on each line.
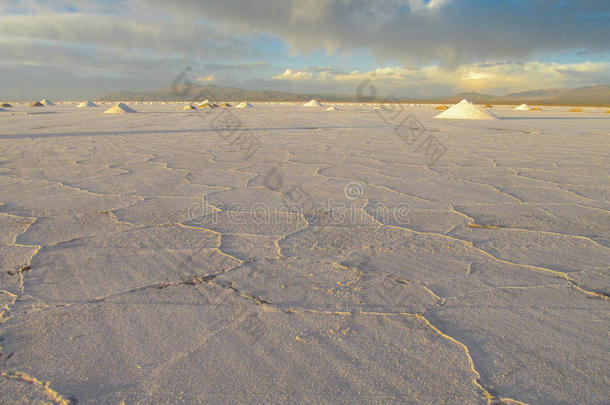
[86,104]
[36,104]
[119,108]
[189,107]
[225,104]
[333,108]
[535,109]
[313,103]
[206,104]
[244,104]
[523,107]
[46,102]
[577,109]
[465,110]
[441,107]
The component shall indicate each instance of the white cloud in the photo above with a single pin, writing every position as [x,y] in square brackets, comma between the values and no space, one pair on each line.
[493,78]
[290,74]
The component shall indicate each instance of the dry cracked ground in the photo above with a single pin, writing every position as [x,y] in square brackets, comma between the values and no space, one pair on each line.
[150,258]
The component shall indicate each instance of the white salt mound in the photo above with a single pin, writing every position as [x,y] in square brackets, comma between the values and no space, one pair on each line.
[189,107]
[244,104]
[333,108]
[86,104]
[313,103]
[523,107]
[44,101]
[119,108]
[465,110]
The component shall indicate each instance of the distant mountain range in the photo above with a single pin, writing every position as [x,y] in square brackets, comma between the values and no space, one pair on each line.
[200,93]
[583,96]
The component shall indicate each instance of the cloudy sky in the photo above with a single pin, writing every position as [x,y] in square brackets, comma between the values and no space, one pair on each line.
[410,48]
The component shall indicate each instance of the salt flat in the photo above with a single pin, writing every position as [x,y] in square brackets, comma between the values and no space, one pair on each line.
[289,254]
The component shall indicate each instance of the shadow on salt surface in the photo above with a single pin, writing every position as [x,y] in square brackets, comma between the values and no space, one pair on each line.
[528,342]
[157,210]
[49,230]
[93,267]
[12,264]
[567,219]
[398,252]
[173,131]
[324,285]
[58,200]
[251,222]
[576,256]
[149,345]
